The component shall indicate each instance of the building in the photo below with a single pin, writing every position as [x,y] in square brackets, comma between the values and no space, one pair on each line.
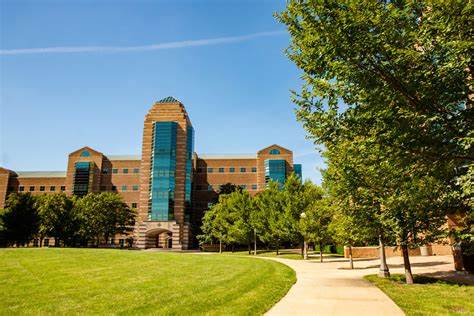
[169,184]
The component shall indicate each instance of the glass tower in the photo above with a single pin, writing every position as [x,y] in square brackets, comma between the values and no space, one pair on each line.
[298,171]
[163,171]
[275,170]
[82,172]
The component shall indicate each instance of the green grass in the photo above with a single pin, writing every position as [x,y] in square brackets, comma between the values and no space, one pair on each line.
[427,296]
[285,254]
[104,281]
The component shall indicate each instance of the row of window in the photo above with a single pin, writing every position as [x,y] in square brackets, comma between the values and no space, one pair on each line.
[106,170]
[218,186]
[124,188]
[222,169]
[42,188]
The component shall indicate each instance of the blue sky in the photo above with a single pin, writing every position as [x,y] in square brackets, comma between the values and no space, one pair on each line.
[235,88]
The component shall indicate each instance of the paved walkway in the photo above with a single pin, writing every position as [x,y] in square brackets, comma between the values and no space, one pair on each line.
[330,288]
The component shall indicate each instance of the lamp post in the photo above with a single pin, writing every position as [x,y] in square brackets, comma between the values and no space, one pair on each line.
[305,246]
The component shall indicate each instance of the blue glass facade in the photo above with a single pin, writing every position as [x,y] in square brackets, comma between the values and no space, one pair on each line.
[189,168]
[163,171]
[81,178]
[298,171]
[275,170]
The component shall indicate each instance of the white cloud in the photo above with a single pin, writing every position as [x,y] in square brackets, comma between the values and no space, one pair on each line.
[159,46]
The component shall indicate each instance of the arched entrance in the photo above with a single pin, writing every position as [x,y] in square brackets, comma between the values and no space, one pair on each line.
[159,238]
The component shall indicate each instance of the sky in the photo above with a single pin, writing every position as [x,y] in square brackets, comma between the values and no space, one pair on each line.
[79,72]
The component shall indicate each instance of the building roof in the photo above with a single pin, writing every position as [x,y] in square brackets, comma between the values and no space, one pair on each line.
[41,174]
[168,100]
[124,157]
[232,156]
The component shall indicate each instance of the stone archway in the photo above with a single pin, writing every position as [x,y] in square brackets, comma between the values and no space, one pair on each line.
[159,238]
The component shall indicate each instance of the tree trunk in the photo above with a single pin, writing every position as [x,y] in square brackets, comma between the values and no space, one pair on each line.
[351,261]
[220,245]
[383,271]
[278,249]
[406,263]
[305,250]
[250,243]
[254,242]
[320,253]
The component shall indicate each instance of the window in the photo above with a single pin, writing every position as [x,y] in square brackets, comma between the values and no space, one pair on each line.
[85,153]
[243,170]
[114,170]
[135,187]
[274,152]
[221,170]
[254,187]
[209,187]
[136,170]
[103,188]
[114,188]
[63,188]
[105,170]
[210,170]
[134,205]
[32,188]
[52,188]
[124,188]
[42,188]
[21,188]
[254,169]
[243,186]
[125,170]
[231,169]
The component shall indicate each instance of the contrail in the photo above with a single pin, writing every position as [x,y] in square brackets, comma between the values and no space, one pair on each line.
[115,49]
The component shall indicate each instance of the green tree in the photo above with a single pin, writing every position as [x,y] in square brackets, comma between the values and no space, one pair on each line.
[348,230]
[272,222]
[56,218]
[103,215]
[395,76]
[314,224]
[20,219]
[216,224]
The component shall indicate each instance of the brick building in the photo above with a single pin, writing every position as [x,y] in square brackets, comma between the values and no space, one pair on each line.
[169,184]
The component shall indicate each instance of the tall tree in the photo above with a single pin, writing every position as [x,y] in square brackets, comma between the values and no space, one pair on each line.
[20,219]
[56,217]
[103,215]
[314,224]
[394,75]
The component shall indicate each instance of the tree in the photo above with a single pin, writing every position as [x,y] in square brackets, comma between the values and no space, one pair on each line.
[215,224]
[348,230]
[396,76]
[271,221]
[314,224]
[103,215]
[56,217]
[20,219]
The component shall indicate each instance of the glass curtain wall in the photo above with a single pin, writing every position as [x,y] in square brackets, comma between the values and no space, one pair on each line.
[163,171]
[275,170]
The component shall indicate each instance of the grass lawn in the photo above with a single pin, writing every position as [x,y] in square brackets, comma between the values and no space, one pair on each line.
[428,296]
[285,253]
[105,281]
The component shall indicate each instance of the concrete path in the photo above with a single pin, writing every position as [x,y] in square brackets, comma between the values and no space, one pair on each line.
[330,288]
